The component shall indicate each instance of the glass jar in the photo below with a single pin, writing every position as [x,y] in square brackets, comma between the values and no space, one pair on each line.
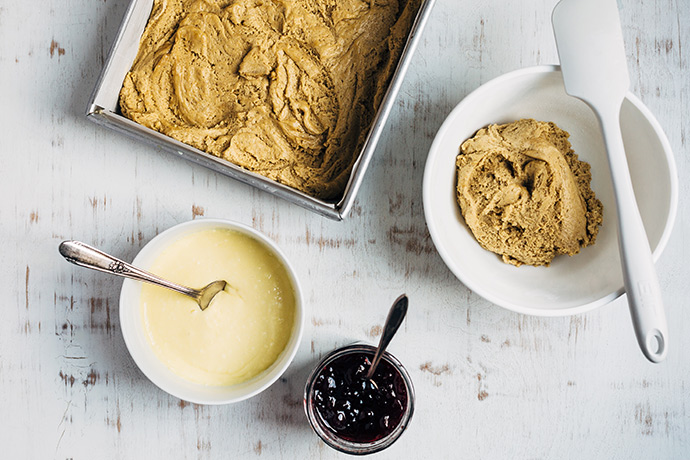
[329,435]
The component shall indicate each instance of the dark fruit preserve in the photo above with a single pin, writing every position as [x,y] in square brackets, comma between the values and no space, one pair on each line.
[354,408]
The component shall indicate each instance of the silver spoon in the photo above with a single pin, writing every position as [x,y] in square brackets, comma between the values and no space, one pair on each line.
[396,315]
[86,256]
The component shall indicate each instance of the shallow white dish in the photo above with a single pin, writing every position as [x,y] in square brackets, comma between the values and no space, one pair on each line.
[142,352]
[571,284]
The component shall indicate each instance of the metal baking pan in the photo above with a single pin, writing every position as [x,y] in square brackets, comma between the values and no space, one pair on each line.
[103,108]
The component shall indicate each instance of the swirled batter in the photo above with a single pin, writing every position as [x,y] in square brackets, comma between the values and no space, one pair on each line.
[524,194]
[284,88]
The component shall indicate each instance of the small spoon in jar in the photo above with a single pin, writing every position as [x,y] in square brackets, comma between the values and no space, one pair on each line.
[87,256]
[396,315]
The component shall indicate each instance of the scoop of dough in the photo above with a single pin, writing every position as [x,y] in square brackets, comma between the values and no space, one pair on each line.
[524,194]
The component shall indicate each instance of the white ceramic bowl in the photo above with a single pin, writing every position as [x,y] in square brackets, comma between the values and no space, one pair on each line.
[571,284]
[142,353]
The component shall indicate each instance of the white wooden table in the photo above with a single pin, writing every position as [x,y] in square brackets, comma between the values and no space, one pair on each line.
[490,383]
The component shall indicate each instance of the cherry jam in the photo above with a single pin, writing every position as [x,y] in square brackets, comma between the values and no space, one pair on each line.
[355,408]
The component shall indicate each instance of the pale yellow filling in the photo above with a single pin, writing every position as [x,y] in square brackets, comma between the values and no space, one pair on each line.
[245,328]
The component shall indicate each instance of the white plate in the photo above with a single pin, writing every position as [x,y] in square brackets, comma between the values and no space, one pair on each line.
[571,284]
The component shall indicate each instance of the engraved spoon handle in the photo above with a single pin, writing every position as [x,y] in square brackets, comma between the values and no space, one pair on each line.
[87,256]
[396,315]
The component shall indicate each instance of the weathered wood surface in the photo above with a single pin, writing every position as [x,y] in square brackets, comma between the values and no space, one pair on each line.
[490,383]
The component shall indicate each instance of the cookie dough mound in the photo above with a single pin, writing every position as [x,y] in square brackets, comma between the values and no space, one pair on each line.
[524,194]
[284,88]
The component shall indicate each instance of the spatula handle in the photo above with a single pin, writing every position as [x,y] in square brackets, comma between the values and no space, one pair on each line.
[641,281]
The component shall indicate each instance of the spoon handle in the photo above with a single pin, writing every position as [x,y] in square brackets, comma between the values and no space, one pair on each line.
[396,315]
[87,256]
[640,278]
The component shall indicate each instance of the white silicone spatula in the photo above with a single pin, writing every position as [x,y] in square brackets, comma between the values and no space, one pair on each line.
[590,47]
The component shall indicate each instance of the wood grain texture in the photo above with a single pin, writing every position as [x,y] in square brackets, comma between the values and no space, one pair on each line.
[490,383]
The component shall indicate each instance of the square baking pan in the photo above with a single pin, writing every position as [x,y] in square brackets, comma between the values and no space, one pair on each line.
[103,108]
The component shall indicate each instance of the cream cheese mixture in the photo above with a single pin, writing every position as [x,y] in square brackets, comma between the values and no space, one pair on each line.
[244,329]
